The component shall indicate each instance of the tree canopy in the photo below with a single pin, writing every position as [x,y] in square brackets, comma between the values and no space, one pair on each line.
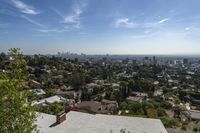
[16,113]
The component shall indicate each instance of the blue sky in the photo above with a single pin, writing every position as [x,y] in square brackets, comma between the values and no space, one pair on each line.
[101,26]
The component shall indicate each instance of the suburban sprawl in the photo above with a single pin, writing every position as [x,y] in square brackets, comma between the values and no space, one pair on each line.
[112,93]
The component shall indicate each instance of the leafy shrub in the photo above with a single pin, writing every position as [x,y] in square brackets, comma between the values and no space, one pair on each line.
[169,122]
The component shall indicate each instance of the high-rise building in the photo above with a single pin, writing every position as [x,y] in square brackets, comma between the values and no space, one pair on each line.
[154,60]
[185,61]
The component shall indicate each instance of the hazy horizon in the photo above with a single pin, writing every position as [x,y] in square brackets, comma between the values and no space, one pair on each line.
[116,27]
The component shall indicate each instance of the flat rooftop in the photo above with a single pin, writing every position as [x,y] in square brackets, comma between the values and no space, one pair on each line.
[195,114]
[77,122]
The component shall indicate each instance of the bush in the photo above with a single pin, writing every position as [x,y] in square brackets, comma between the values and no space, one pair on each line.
[123,106]
[152,113]
[183,128]
[53,108]
[155,103]
[135,107]
[161,112]
[195,129]
[169,122]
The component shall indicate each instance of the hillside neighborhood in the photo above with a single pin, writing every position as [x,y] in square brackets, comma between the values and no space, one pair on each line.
[111,90]
[99,66]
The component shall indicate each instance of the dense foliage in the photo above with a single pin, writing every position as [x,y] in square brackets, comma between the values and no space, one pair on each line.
[16,114]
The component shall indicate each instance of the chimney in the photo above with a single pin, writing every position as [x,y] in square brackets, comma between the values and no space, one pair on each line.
[60,117]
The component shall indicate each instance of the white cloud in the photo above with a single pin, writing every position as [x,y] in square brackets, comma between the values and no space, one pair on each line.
[124,22]
[24,7]
[155,23]
[187,28]
[73,18]
[139,36]
[33,22]
[52,30]
[58,12]
[45,29]
[127,23]
[163,21]
[145,35]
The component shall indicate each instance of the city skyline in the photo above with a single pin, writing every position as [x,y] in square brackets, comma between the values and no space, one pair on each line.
[101,27]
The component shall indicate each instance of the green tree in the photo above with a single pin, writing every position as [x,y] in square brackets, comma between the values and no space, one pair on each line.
[131,84]
[77,80]
[123,89]
[135,107]
[16,113]
[2,57]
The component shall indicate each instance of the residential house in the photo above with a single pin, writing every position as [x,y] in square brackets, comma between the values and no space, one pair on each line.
[49,100]
[77,122]
[38,91]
